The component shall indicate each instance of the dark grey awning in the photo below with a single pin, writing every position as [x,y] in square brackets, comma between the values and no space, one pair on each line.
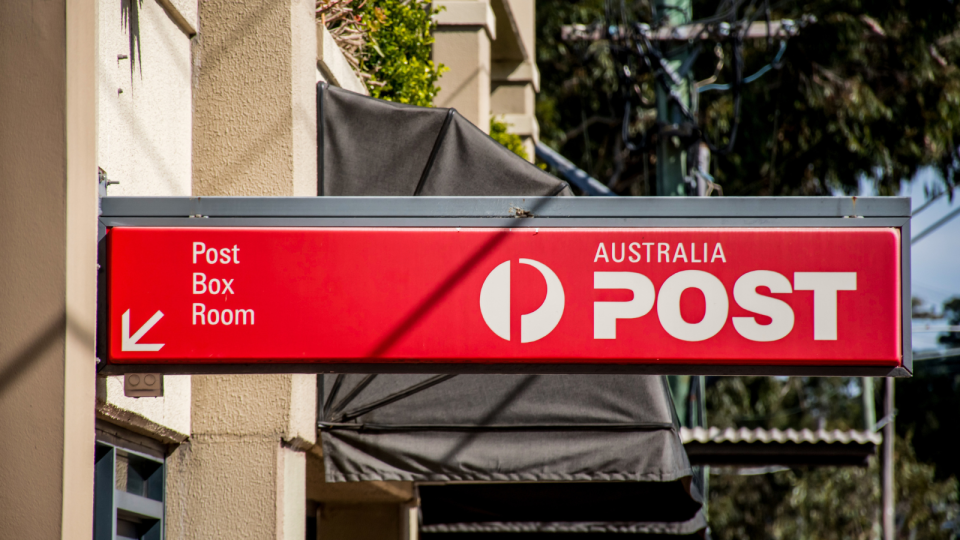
[375,147]
[507,450]
[501,428]
[612,439]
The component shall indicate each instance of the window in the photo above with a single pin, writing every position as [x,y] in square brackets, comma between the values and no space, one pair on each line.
[128,500]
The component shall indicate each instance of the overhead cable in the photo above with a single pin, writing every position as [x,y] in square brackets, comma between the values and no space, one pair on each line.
[747,80]
[942,221]
[931,200]
[575,175]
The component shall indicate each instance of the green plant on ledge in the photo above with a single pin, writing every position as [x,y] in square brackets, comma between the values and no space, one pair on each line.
[397,55]
[388,43]
[498,132]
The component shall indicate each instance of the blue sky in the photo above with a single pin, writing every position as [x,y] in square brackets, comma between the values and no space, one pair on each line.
[935,260]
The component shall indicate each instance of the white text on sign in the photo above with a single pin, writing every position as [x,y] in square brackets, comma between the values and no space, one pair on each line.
[217,286]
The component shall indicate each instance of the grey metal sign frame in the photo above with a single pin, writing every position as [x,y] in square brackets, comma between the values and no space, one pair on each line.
[648,212]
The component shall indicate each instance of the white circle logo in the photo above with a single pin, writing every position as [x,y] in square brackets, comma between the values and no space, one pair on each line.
[495,303]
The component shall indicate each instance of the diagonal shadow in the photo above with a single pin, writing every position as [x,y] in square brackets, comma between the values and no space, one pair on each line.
[514,394]
[13,367]
[449,283]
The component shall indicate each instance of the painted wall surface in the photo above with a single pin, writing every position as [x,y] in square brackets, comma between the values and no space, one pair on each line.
[48,268]
[242,474]
[172,410]
[144,99]
[332,65]
[513,98]
[359,521]
[465,50]
[513,93]
[145,137]
[255,99]
[525,15]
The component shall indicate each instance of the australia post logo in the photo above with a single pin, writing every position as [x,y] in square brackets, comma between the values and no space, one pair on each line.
[778,316]
[495,303]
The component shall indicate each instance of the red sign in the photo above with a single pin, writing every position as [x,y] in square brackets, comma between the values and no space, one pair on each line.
[720,296]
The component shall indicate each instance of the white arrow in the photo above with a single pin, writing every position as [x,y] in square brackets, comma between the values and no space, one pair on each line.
[130,342]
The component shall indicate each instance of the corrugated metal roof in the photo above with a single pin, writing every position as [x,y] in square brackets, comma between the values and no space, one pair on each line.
[759,435]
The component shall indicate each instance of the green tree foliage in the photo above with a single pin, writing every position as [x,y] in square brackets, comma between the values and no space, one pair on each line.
[498,132]
[928,411]
[575,106]
[781,402]
[823,502]
[828,503]
[929,404]
[871,89]
[397,53]
[951,312]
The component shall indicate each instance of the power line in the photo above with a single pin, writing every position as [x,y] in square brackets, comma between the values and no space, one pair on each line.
[935,226]
[932,200]
[751,78]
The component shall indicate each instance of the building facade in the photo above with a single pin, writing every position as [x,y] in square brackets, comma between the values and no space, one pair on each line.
[178,98]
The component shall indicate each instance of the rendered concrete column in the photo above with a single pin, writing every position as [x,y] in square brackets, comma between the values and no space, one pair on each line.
[376,510]
[513,103]
[48,204]
[242,473]
[254,98]
[462,43]
[515,78]
[525,18]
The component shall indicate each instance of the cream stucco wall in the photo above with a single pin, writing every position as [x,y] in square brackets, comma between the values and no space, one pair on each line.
[465,50]
[170,411]
[462,43]
[524,16]
[332,65]
[144,98]
[252,101]
[242,473]
[515,78]
[145,137]
[512,98]
[48,205]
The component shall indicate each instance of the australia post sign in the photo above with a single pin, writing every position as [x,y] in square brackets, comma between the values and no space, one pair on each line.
[480,296]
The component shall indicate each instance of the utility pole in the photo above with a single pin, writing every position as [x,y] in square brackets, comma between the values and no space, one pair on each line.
[671,152]
[676,104]
[889,509]
[671,155]
[869,407]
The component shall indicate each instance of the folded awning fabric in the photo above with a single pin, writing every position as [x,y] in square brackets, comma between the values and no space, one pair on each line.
[501,428]
[375,147]
[520,453]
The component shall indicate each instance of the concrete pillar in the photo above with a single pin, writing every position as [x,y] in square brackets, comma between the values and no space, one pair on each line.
[513,102]
[377,510]
[465,29]
[254,98]
[514,75]
[242,474]
[48,213]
